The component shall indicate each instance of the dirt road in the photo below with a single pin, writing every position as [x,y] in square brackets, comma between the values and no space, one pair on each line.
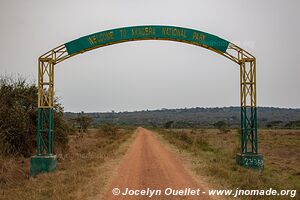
[148,169]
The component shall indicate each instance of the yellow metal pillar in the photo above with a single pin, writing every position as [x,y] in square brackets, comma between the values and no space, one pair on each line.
[46,83]
[44,160]
[249,156]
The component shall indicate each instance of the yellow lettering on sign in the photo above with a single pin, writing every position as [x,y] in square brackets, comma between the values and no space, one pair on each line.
[175,32]
[123,33]
[166,31]
[144,31]
[101,37]
[198,36]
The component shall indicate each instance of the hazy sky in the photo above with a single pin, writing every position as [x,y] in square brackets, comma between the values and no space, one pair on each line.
[155,74]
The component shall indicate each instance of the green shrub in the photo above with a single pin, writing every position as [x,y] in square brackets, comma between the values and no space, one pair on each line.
[201,143]
[168,124]
[83,122]
[220,124]
[293,124]
[109,129]
[18,118]
[224,130]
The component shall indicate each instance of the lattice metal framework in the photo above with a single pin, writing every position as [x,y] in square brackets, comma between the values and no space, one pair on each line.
[244,59]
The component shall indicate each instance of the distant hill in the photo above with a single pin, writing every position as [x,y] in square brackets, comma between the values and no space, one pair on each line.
[196,117]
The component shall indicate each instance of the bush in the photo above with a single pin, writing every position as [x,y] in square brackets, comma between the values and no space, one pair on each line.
[224,130]
[220,124]
[293,124]
[109,129]
[169,124]
[83,122]
[18,118]
[272,124]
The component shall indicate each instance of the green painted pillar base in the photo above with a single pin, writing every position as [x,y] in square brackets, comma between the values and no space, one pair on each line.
[41,164]
[254,161]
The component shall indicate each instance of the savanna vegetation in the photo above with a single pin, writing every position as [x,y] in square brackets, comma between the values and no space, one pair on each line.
[82,171]
[81,152]
[208,141]
[18,118]
[18,128]
[212,152]
[268,117]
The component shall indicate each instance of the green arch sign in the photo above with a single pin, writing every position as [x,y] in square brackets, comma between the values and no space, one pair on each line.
[45,160]
[125,34]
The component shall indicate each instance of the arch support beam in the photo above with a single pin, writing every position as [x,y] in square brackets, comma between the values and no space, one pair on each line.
[249,156]
[45,160]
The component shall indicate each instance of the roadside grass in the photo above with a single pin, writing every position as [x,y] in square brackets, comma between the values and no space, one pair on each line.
[212,152]
[82,172]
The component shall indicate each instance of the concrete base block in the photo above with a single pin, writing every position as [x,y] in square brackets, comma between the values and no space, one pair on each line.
[254,161]
[42,164]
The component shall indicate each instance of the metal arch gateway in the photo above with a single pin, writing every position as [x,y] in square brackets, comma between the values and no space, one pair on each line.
[45,160]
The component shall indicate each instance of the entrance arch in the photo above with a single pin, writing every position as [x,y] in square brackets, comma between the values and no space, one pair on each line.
[45,160]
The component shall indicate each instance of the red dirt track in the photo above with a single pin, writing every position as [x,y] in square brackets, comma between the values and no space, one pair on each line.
[148,164]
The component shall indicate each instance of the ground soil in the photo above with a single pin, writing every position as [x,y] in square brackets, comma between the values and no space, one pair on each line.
[148,164]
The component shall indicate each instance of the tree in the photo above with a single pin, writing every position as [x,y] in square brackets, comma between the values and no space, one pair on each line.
[293,124]
[109,129]
[274,124]
[220,124]
[83,122]
[169,124]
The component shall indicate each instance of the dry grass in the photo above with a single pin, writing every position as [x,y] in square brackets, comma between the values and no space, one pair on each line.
[82,173]
[12,170]
[212,156]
